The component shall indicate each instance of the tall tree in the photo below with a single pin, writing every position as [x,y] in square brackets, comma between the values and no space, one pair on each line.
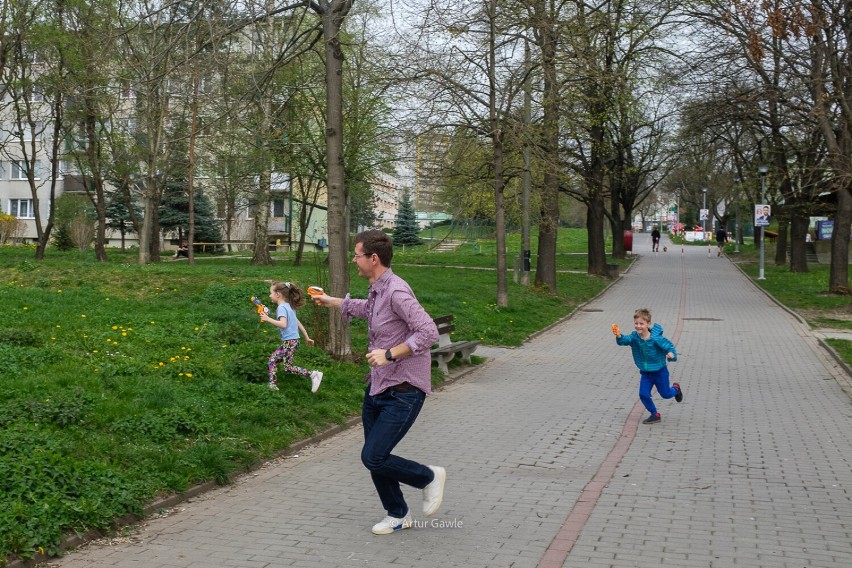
[332,15]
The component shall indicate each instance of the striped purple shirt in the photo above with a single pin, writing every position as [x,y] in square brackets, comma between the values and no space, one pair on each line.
[394,316]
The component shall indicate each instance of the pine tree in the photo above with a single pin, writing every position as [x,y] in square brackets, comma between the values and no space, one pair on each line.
[406,231]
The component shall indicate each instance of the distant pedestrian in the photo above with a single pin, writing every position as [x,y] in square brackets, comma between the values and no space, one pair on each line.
[289,298]
[721,239]
[655,240]
[400,334]
[650,352]
[182,250]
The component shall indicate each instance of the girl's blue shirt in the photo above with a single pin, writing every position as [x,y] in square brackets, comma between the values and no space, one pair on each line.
[292,329]
[649,354]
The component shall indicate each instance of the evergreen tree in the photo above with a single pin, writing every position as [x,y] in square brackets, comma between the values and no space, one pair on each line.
[406,231]
[174,214]
[118,215]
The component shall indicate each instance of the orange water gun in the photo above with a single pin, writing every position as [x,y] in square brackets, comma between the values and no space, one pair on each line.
[315,291]
[261,309]
[615,331]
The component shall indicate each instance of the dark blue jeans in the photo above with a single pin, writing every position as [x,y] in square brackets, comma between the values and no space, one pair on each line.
[659,379]
[387,417]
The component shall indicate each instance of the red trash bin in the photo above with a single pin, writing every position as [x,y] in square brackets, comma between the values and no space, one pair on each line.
[628,241]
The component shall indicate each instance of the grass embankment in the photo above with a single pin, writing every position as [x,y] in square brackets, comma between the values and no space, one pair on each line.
[122,382]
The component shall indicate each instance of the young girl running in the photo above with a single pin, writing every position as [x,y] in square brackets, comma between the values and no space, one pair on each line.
[289,298]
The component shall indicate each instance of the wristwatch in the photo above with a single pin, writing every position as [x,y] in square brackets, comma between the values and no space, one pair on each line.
[388,355]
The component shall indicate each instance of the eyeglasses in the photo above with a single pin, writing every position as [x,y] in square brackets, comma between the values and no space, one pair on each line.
[360,255]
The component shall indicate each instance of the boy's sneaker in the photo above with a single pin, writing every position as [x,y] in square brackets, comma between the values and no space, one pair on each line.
[273,387]
[390,524]
[679,395]
[653,419]
[433,494]
[316,379]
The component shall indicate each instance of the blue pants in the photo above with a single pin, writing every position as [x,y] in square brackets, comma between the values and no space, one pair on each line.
[659,379]
[386,418]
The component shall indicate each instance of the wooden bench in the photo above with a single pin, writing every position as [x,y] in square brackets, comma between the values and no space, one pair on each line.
[447,348]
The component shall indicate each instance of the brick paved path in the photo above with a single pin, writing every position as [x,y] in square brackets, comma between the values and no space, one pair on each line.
[752,469]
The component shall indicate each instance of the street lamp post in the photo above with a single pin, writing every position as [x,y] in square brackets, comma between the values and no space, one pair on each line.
[704,223]
[762,170]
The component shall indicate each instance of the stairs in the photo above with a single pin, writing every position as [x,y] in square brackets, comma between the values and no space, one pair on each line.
[445,246]
[810,253]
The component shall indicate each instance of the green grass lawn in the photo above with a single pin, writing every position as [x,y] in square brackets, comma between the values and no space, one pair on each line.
[124,382]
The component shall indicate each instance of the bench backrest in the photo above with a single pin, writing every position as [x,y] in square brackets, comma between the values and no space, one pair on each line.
[445,328]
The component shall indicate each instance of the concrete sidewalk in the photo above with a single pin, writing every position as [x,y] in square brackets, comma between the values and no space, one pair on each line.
[547,462]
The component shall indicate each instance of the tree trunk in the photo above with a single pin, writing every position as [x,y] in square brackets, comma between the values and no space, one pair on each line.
[838,279]
[798,233]
[333,15]
[261,219]
[545,270]
[781,241]
[500,223]
[595,229]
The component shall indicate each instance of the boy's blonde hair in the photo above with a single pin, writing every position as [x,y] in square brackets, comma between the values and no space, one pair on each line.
[643,313]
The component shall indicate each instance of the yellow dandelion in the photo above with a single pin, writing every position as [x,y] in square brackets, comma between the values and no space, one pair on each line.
[82,315]
[189,348]
[124,333]
[151,322]
[26,308]
[109,340]
[94,350]
[183,348]
[224,346]
[58,325]
[59,291]
[196,328]
[115,327]
[186,357]
[180,374]
[189,375]
[161,364]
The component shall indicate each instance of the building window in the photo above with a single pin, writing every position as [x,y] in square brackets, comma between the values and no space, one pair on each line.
[36,94]
[127,91]
[20,169]
[21,208]
[278,209]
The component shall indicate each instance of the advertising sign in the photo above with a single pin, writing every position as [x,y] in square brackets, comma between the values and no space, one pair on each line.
[762,213]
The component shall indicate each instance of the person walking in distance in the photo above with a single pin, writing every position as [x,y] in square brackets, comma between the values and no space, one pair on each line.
[401,334]
[650,352]
[721,239]
[655,240]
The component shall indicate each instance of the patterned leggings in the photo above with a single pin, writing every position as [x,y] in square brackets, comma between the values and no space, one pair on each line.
[284,355]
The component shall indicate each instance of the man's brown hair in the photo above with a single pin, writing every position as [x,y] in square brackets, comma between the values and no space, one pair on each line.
[376,242]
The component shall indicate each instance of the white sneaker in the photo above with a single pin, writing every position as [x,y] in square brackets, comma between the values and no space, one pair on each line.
[273,387]
[316,379]
[389,524]
[433,494]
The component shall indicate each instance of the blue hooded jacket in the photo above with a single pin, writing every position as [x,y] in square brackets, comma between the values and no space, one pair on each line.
[649,354]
